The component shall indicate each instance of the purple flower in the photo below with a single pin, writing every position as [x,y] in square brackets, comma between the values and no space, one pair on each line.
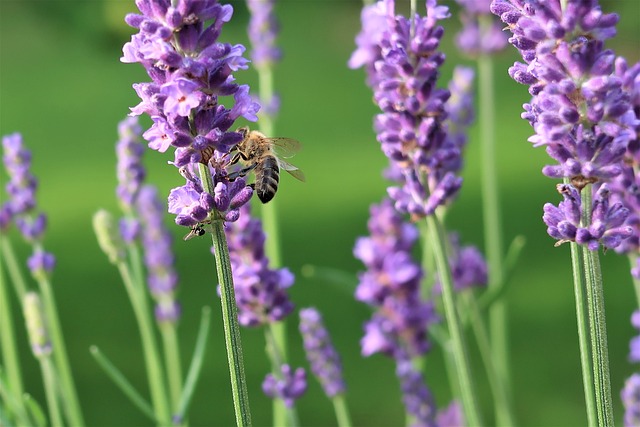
[477,36]
[260,291]
[417,398]
[607,220]
[579,109]
[158,256]
[634,345]
[321,354]
[411,127]
[391,285]
[192,82]
[41,263]
[263,29]
[468,266]
[451,416]
[192,205]
[130,171]
[631,400]
[22,185]
[288,386]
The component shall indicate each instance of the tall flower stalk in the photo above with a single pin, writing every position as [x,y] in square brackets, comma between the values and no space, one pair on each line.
[584,118]
[402,61]
[192,72]
[263,30]
[32,225]
[480,38]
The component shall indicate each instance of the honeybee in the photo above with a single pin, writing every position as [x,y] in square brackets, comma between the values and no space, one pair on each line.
[263,156]
[196,231]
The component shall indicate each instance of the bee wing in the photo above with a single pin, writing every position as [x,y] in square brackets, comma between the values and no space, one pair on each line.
[285,147]
[294,171]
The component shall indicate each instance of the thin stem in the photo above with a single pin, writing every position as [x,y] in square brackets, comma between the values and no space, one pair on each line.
[229,311]
[49,379]
[155,374]
[500,394]
[583,334]
[72,406]
[123,384]
[277,361]
[196,363]
[597,322]
[342,410]
[172,356]
[461,358]
[492,220]
[271,227]
[13,268]
[8,338]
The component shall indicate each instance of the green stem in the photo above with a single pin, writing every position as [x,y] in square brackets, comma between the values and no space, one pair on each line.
[123,384]
[342,410]
[461,358]
[636,282]
[13,268]
[597,322]
[229,311]
[49,379]
[72,406]
[172,356]
[277,361]
[500,394]
[271,227]
[583,334]
[492,221]
[8,338]
[155,374]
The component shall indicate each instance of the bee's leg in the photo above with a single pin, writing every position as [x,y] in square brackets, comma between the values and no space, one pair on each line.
[242,172]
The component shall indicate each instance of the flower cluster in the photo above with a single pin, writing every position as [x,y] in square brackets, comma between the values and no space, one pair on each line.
[579,109]
[631,400]
[607,228]
[263,29]
[416,396]
[130,171]
[162,278]
[21,206]
[322,355]
[479,34]
[391,284]
[289,387]
[260,291]
[191,70]
[403,62]
[468,266]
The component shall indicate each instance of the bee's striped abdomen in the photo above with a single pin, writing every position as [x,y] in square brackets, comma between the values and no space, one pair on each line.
[267,177]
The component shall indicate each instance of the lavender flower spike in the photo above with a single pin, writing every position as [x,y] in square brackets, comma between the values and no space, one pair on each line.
[391,285]
[322,355]
[479,34]
[411,127]
[21,206]
[607,221]
[192,73]
[579,111]
[159,259]
[130,171]
[631,400]
[417,398]
[36,325]
[263,29]
[288,388]
[260,291]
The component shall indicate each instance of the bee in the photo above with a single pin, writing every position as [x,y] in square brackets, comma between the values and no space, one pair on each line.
[263,156]
[196,231]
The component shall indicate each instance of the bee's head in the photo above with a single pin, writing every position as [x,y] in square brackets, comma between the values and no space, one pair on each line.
[243,131]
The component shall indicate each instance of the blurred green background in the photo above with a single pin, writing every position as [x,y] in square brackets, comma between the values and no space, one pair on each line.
[63,86]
